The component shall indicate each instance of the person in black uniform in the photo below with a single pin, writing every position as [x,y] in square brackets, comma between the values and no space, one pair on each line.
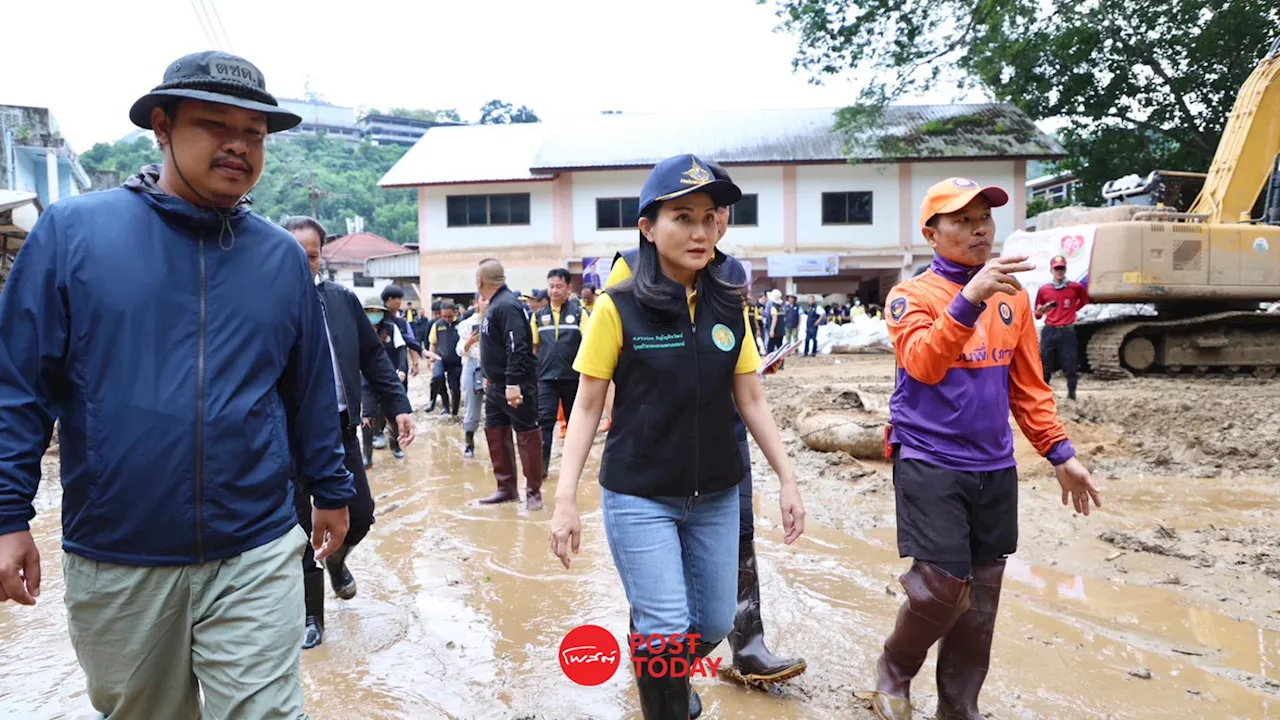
[396,349]
[511,393]
[357,356]
[557,333]
[392,298]
[443,341]
[675,341]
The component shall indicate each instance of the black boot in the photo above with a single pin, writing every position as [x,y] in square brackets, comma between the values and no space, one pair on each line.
[396,452]
[753,663]
[665,697]
[470,450]
[340,578]
[366,445]
[313,590]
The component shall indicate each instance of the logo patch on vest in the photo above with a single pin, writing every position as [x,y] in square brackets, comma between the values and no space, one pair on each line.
[1006,313]
[723,337]
[546,319]
[568,319]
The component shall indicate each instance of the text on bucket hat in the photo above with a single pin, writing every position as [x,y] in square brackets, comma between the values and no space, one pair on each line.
[216,77]
[953,194]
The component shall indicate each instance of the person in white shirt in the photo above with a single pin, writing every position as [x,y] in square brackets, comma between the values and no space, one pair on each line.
[472,377]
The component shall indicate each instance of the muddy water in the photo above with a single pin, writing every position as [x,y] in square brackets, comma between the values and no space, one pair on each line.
[461,609]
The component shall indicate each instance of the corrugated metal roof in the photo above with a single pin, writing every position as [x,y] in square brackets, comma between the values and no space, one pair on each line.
[469,154]
[792,135]
[393,266]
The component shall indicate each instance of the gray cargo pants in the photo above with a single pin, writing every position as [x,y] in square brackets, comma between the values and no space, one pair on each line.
[149,637]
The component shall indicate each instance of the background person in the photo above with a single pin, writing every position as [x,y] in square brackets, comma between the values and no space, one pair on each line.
[444,344]
[357,357]
[557,334]
[472,374]
[1058,302]
[511,394]
[397,351]
[670,519]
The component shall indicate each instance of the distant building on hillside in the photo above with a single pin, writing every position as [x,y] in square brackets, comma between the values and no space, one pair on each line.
[344,260]
[339,122]
[35,158]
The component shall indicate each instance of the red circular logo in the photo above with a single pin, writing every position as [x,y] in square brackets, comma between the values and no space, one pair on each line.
[589,655]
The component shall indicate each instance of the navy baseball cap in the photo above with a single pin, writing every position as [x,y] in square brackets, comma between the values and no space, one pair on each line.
[683,175]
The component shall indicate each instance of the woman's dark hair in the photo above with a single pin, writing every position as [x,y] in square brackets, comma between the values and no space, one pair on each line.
[391,291]
[666,299]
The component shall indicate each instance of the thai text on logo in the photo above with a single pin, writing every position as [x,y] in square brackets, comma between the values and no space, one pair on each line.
[589,655]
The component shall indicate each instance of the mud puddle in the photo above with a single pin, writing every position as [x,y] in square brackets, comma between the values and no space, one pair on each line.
[461,609]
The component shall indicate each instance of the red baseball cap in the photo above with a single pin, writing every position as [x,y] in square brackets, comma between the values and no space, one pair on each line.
[1058,261]
[953,194]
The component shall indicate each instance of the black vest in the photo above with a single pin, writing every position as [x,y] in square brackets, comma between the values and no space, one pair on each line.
[673,412]
[555,356]
[447,340]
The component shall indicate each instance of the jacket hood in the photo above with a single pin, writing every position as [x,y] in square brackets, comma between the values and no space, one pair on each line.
[146,183]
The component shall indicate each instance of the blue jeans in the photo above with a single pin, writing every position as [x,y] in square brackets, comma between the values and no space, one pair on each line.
[678,559]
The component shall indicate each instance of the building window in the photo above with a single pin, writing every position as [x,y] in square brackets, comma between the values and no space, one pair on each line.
[745,211]
[472,210]
[616,213]
[360,280]
[846,208]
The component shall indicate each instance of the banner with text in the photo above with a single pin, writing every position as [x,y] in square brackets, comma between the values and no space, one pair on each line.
[803,265]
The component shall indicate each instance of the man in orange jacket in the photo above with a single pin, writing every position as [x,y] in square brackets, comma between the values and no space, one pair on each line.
[967,354]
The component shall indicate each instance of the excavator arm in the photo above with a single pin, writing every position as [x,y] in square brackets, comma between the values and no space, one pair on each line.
[1246,154]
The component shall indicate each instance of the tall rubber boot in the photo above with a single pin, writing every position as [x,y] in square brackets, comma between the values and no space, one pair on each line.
[470,450]
[702,651]
[502,452]
[753,663]
[665,697]
[456,394]
[965,652]
[340,578]
[547,435]
[530,444]
[313,591]
[934,601]
[366,445]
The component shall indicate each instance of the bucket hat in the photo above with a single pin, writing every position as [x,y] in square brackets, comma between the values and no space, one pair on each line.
[216,77]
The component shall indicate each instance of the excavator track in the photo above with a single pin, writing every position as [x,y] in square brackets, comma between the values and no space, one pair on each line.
[1230,342]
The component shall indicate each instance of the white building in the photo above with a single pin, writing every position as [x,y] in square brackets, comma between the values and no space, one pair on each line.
[555,194]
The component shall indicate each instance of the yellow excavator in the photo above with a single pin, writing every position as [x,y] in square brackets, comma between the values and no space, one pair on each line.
[1208,271]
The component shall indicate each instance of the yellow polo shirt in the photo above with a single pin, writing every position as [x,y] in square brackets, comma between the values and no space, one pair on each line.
[602,343]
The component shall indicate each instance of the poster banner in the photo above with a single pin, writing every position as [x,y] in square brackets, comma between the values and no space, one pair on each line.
[595,270]
[1075,243]
[790,265]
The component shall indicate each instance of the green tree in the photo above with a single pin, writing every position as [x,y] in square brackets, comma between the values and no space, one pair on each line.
[1142,85]
[498,112]
[346,172]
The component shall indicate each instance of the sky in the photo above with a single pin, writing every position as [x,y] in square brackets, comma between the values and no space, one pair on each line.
[559,57]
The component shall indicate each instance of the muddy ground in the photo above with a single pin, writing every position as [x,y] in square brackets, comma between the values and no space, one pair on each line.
[1162,605]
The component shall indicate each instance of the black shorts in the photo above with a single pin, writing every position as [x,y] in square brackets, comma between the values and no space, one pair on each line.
[946,516]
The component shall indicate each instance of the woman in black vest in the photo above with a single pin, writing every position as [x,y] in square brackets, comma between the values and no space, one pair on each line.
[674,340]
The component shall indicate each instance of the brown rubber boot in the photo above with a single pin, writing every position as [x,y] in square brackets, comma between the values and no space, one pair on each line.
[753,663]
[934,601]
[965,652]
[502,452]
[530,444]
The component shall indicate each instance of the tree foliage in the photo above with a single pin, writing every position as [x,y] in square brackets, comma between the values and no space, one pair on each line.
[1141,85]
[347,172]
[498,112]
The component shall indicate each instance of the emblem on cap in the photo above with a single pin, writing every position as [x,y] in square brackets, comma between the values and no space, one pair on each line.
[964,183]
[696,175]
[723,337]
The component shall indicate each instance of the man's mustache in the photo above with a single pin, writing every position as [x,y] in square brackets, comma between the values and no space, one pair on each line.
[233,161]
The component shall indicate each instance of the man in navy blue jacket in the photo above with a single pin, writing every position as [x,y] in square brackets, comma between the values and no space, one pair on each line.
[178,340]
